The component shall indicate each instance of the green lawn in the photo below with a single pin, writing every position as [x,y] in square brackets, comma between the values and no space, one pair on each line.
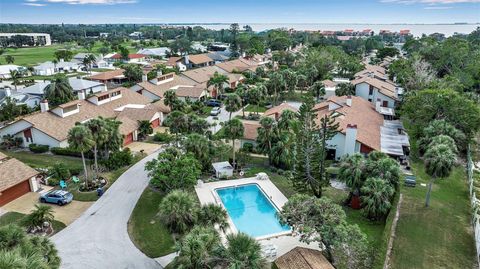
[146,229]
[17,218]
[255,108]
[92,196]
[31,56]
[440,236]
[36,160]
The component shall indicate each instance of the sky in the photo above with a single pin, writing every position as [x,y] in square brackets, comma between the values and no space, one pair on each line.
[244,11]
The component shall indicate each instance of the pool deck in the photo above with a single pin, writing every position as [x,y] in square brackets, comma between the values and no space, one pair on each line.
[284,241]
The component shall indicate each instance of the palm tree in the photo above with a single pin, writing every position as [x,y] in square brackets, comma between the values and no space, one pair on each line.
[199,146]
[144,128]
[15,75]
[217,81]
[59,91]
[351,172]
[344,89]
[267,136]
[445,140]
[195,250]
[170,99]
[439,161]
[317,89]
[376,198]
[283,151]
[177,211]
[385,168]
[241,252]
[99,132]
[276,84]
[242,91]
[39,215]
[88,61]
[115,138]
[256,95]
[55,62]
[212,214]
[80,139]
[234,130]
[232,103]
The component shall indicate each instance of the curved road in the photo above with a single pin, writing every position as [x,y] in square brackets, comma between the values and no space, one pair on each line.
[99,237]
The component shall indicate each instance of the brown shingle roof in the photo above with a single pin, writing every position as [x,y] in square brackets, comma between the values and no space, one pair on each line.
[130,56]
[194,92]
[159,90]
[362,113]
[137,114]
[329,84]
[107,75]
[160,106]
[237,65]
[250,130]
[279,109]
[58,127]
[13,172]
[2,156]
[199,58]
[303,258]
[203,75]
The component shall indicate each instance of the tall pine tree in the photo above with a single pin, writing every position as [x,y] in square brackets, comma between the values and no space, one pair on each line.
[311,149]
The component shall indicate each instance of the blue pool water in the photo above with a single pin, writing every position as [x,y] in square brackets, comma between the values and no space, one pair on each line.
[250,210]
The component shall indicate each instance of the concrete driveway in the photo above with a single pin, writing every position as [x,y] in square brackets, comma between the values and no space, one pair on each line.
[66,214]
[222,117]
[99,238]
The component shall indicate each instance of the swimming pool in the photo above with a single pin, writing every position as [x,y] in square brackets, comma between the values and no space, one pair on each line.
[251,211]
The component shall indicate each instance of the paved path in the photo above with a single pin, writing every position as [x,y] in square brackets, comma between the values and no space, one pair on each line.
[99,238]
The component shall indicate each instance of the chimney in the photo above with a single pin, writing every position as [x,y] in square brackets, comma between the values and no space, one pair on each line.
[378,105]
[349,100]
[44,106]
[8,92]
[350,139]
[159,73]
[81,95]
[187,60]
[144,78]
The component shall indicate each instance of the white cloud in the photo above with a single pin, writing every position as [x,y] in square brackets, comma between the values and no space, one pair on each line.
[33,4]
[437,7]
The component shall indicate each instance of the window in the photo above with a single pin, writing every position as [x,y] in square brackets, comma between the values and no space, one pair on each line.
[370,92]
[115,93]
[103,97]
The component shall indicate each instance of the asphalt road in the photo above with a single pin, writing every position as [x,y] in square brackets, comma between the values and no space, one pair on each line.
[99,237]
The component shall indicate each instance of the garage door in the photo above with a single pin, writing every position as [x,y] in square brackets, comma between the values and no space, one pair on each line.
[128,139]
[14,192]
[155,123]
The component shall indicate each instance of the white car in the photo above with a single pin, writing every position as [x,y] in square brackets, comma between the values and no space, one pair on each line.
[215,111]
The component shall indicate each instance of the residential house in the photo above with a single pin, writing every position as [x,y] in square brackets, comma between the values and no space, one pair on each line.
[184,88]
[250,132]
[20,98]
[374,89]
[303,258]
[219,56]
[16,179]
[112,78]
[330,87]
[6,68]
[78,85]
[276,111]
[99,62]
[155,52]
[51,126]
[238,65]
[49,68]
[203,75]
[132,58]
[197,46]
[363,127]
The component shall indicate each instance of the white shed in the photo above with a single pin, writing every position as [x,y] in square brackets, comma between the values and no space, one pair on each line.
[223,169]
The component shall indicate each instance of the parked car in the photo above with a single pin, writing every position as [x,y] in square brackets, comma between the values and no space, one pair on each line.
[215,111]
[214,103]
[59,197]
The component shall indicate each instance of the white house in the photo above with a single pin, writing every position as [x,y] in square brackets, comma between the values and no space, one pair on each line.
[374,89]
[50,68]
[20,98]
[6,68]
[78,84]
[51,125]
[158,52]
[100,62]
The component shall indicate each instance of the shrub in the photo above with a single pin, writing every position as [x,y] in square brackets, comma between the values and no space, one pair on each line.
[70,152]
[52,181]
[119,159]
[162,137]
[247,147]
[59,171]
[38,148]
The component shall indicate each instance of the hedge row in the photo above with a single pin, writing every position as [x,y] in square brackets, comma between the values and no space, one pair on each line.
[70,152]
